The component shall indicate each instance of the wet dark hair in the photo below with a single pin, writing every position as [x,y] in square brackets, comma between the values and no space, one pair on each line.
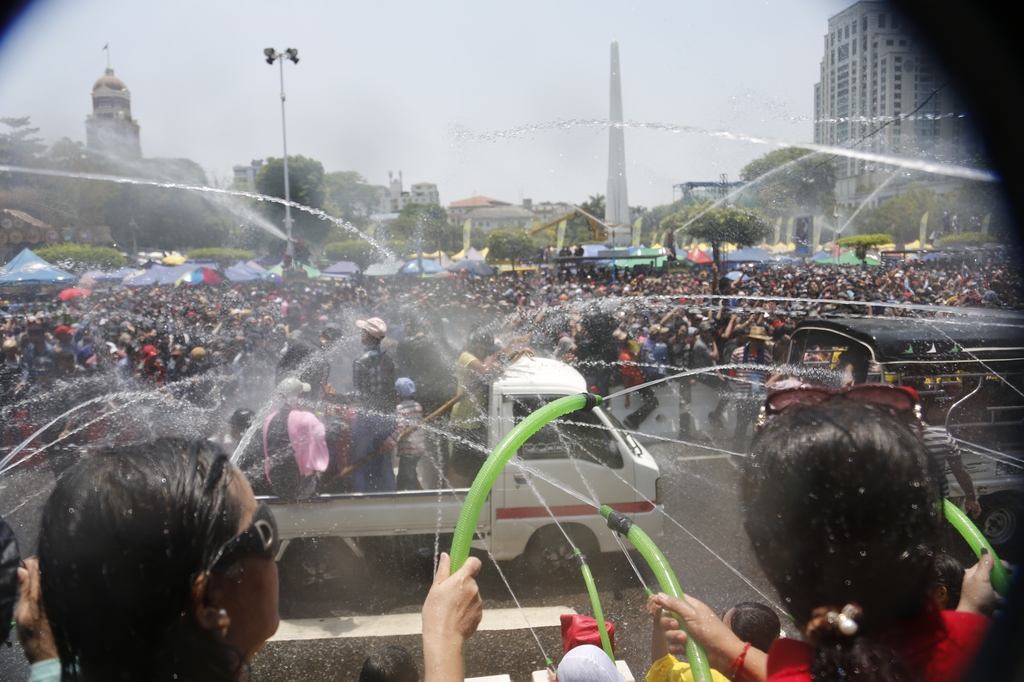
[859,360]
[304,362]
[755,623]
[949,573]
[241,419]
[391,663]
[123,537]
[841,504]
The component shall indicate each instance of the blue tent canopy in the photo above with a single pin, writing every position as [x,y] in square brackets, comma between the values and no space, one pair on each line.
[29,269]
[430,267]
[748,255]
[242,272]
[383,269]
[160,274]
[342,267]
[110,277]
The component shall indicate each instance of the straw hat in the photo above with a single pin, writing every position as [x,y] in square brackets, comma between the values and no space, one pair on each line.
[758,333]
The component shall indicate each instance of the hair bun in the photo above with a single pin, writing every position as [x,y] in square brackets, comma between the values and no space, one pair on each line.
[830,621]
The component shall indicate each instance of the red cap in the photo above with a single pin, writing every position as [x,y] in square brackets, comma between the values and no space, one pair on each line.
[63,329]
[150,351]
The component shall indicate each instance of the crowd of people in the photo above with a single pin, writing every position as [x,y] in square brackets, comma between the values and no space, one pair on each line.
[207,357]
[157,563]
[313,382]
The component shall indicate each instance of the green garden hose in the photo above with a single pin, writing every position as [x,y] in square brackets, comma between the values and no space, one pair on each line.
[620,523]
[484,481]
[595,601]
[977,541]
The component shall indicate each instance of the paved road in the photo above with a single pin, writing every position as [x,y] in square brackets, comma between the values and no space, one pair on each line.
[328,634]
[699,494]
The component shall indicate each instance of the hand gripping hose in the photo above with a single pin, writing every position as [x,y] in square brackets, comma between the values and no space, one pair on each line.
[620,523]
[977,541]
[484,481]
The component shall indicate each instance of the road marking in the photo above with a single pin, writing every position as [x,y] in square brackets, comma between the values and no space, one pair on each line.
[696,457]
[391,625]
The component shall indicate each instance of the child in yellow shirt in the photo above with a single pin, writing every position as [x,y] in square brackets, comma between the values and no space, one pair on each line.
[752,622]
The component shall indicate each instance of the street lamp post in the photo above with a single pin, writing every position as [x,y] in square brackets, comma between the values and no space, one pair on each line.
[272,55]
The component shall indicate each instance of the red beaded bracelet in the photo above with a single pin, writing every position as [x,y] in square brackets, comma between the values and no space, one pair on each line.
[737,665]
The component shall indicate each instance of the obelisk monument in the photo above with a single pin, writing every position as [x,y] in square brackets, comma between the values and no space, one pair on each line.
[616,204]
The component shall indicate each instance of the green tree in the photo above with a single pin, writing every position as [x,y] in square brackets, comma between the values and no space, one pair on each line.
[800,182]
[651,219]
[20,146]
[862,242]
[901,215]
[510,244]
[349,196]
[221,255]
[969,238]
[306,185]
[717,226]
[78,258]
[438,234]
[358,251]
[577,230]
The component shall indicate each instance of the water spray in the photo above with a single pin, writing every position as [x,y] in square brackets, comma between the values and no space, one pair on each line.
[620,523]
[481,488]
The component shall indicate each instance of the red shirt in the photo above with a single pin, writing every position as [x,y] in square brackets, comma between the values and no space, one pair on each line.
[937,646]
[630,374]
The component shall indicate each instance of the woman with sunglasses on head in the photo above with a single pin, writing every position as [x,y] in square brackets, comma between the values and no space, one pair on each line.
[841,503]
[157,564]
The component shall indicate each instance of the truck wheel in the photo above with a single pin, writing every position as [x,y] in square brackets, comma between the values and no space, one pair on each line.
[1000,522]
[550,556]
[319,568]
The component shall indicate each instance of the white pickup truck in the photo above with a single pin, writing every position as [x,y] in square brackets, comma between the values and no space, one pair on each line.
[583,451]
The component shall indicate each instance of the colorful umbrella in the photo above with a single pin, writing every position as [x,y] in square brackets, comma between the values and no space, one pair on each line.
[73,292]
[199,276]
[173,259]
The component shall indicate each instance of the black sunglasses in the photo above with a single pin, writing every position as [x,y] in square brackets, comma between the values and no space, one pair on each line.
[260,537]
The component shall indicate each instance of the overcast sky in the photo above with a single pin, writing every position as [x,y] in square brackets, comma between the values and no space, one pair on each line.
[422,86]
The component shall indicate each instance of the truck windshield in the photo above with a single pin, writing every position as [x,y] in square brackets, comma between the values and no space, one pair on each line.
[580,435]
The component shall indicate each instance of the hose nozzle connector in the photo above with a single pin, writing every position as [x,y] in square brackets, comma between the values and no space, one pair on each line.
[592,402]
[619,522]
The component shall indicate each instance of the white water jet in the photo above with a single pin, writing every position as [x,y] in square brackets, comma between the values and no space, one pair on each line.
[933,167]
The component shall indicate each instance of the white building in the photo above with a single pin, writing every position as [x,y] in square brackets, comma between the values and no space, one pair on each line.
[458,210]
[245,176]
[546,211]
[881,92]
[392,198]
[491,217]
[110,127]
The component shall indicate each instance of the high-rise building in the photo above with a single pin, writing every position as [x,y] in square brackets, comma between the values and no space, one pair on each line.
[110,127]
[882,92]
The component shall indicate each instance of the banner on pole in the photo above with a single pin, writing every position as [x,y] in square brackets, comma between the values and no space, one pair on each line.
[560,240]
[465,234]
[924,228]
[637,224]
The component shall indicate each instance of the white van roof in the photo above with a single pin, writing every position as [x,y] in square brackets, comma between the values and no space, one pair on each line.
[541,376]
